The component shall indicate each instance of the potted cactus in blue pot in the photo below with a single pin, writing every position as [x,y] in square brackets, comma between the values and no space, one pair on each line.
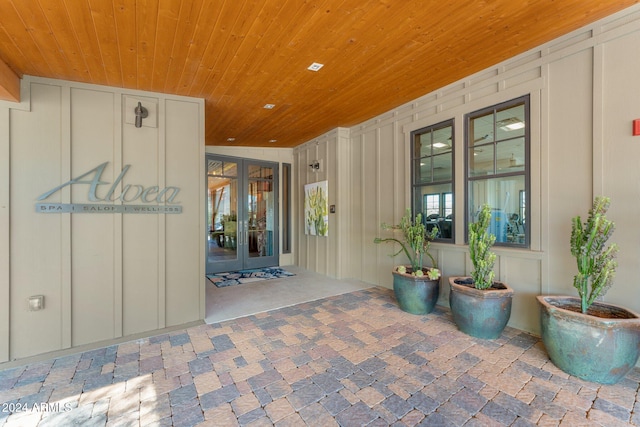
[584,337]
[415,286]
[481,306]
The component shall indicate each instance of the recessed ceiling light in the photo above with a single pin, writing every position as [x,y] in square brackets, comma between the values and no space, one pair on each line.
[315,66]
[269,106]
[273,140]
[231,139]
[513,126]
[512,123]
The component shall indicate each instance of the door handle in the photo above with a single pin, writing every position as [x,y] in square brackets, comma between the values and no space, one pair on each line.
[242,233]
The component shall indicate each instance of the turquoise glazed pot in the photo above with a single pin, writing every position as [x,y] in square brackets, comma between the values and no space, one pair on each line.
[601,346]
[415,295]
[480,313]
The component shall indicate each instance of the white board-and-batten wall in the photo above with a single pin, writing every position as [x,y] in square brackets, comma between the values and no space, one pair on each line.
[103,276]
[584,94]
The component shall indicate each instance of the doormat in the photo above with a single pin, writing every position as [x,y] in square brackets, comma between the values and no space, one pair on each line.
[222,280]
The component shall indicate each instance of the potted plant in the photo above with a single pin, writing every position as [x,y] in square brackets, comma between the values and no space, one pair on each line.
[481,307]
[589,339]
[416,287]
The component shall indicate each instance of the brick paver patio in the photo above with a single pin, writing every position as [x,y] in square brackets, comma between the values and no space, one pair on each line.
[349,360]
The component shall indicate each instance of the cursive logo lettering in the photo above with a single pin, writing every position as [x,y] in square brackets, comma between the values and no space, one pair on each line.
[129,193]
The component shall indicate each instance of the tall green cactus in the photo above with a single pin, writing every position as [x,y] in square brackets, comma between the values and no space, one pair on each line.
[480,242]
[596,264]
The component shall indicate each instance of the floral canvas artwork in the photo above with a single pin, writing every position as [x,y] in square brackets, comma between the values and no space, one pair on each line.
[316,209]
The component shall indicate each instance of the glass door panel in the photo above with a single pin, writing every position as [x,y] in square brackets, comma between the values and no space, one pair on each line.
[242,214]
[261,211]
[222,215]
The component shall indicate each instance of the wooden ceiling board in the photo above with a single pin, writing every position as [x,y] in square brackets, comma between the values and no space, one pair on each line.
[56,14]
[242,54]
[168,14]
[42,38]
[146,25]
[82,29]
[18,37]
[125,21]
[181,49]
[208,63]
[203,30]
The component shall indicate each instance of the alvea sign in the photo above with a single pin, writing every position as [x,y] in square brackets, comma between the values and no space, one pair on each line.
[132,198]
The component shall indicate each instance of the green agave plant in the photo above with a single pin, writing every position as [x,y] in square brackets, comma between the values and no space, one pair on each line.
[416,243]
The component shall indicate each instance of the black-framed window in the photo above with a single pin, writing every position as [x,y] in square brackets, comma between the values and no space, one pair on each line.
[432,173]
[286,208]
[497,169]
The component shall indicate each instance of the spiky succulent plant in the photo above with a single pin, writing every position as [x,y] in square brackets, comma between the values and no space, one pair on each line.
[480,242]
[596,263]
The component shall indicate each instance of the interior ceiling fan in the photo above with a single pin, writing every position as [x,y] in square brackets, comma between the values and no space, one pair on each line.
[514,162]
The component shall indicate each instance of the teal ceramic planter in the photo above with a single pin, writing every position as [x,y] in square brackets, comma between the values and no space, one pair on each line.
[480,313]
[415,295]
[591,347]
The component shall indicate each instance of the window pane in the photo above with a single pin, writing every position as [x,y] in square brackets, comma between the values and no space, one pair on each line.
[256,171]
[510,155]
[423,145]
[510,122]
[481,129]
[503,196]
[425,201]
[443,167]
[497,149]
[433,172]
[481,160]
[442,140]
[422,168]
[432,205]
[286,208]
[448,205]
[230,169]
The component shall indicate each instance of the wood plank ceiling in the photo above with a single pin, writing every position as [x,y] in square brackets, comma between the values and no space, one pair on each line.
[240,55]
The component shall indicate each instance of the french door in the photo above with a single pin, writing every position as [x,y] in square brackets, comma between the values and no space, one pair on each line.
[242,214]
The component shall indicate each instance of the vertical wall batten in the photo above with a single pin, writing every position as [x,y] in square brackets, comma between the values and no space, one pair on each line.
[162,223]
[66,248]
[5,260]
[118,227]
[597,120]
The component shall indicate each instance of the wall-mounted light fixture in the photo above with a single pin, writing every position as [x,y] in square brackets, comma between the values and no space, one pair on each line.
[141,113]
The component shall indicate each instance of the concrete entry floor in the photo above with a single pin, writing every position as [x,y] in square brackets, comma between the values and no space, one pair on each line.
[351,360]
[250,298]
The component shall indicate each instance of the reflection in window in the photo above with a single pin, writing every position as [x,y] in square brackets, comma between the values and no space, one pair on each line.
[222,198]
[432,204]
[432,177]
[498,168]
[448,204]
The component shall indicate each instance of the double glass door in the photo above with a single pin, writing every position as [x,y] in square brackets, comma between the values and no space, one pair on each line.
[242,214]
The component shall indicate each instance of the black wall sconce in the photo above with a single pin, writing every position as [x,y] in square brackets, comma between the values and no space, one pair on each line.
[141,113]
[315,166]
